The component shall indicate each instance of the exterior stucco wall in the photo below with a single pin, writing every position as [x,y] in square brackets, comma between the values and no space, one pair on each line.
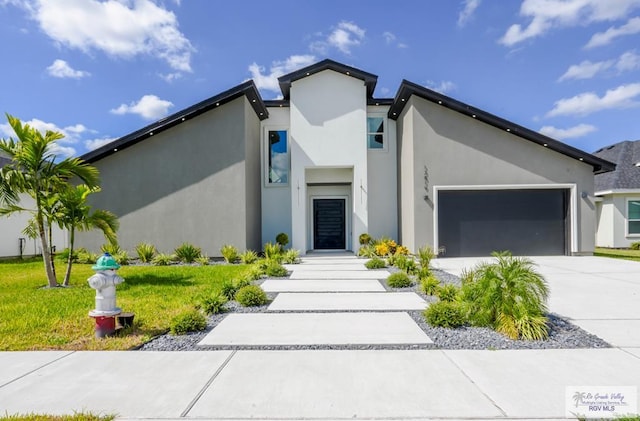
[252,179]
[186,184]
[328,129]
[383,181]
[612,224]
[450,149]
[276,199]
[11,227]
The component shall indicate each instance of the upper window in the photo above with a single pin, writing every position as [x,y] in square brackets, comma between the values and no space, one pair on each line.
[633,216]
[278,157]
[375,132]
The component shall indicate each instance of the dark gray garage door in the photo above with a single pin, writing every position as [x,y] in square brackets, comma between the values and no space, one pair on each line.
[525,222]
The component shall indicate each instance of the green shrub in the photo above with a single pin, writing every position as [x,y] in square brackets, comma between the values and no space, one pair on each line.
[251,296]
[273,251]
[282,239]
[406,264]
[111,248]
[228,289]
[203,260]
[423,272]
[87,257]
[508,295]
[291,256]
[230,253]
[187,252]
[448,292]
[368,251]
[64,255]
[635,246]
[376,263]
[249,257]
[425,255]
[145,252]
[364,239]
[392,259]
[242,282]
[399,280]
[254,273]
[275,269]
[445,314]
[429,285]
[122,258]
[187,321]
[162,259]
[213,303]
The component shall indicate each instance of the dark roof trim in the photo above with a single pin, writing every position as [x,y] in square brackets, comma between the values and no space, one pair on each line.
[380,101]
[274,103]
[369,79]
[247,89]
[408,88]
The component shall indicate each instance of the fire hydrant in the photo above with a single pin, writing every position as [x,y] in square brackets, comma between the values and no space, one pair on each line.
[104,282]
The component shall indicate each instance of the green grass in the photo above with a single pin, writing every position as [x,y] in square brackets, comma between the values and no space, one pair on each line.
[81,416]
[625,254]
[37,318]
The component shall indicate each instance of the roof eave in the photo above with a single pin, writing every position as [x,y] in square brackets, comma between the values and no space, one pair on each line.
[247,89]
[409,88]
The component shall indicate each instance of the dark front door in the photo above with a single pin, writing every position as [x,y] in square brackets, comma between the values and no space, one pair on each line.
[525,222]
[329,224]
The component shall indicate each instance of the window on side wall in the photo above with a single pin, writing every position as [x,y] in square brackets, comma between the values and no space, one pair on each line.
[277,158]
[375,132]
[633,216]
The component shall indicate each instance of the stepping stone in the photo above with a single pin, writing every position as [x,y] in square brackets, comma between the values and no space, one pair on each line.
[324,267]
[322,285]
[314,301]
[305,273]
[316,329]
[345,261]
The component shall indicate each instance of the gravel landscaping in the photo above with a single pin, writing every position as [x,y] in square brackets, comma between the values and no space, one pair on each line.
[563,334]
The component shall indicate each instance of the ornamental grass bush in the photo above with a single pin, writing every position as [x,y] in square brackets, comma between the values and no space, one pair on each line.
[509,296]
[213,303]
[162,259]
[399,280]
[187,321]
[273,251]
[449,314]
[275,269]
[375,263]
[145,252]
[448,292]
[251,296]
[291,256]
[429,285]
[425,255]
[249,257]
[230,253]
[187,252]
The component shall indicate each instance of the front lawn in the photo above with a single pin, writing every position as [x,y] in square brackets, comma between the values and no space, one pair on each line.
[626,254]
[36,318]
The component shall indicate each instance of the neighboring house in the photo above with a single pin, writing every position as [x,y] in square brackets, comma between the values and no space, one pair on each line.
[328,162]
[13,243]
[618,194]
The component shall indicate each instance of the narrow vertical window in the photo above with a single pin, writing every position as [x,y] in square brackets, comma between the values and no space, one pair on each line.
[633,216]
[278,165]
[375,132]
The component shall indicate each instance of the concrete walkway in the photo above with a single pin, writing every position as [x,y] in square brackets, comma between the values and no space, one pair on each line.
[348,384]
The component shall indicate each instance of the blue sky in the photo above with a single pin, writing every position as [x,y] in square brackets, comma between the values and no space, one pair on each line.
[97,70]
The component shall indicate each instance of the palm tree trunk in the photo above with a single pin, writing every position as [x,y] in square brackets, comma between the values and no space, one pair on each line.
[67,274]
[46,253]
[52,256]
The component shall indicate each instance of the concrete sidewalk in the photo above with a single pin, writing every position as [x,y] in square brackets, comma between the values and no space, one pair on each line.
[348,384]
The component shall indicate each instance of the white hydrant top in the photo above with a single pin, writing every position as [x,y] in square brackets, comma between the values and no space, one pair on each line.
[104,282]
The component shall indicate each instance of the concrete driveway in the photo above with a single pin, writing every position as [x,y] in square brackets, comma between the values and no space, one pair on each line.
[599,294]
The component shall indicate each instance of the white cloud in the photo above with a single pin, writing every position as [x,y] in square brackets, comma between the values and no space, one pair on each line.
[119,28]
[170,77]
[586,70]
[443,86]
[61,69]
[589,102]
[149,107]
[570,133]
[280,167]
[466,14]
[603,38]
[62,147]
[627,62]
[548,14]
[269,81]
[92,144]
[390,38]
[344,37]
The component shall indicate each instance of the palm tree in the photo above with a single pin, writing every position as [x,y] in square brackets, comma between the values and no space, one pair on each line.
[33,170]
[72,212]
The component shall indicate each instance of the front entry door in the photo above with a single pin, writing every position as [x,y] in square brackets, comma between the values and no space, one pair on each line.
[329,224]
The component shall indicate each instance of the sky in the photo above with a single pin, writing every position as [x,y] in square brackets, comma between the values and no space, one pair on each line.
[96,70]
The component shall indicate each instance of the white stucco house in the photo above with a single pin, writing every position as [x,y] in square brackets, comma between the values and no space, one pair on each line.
[618,196]
[329,161]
